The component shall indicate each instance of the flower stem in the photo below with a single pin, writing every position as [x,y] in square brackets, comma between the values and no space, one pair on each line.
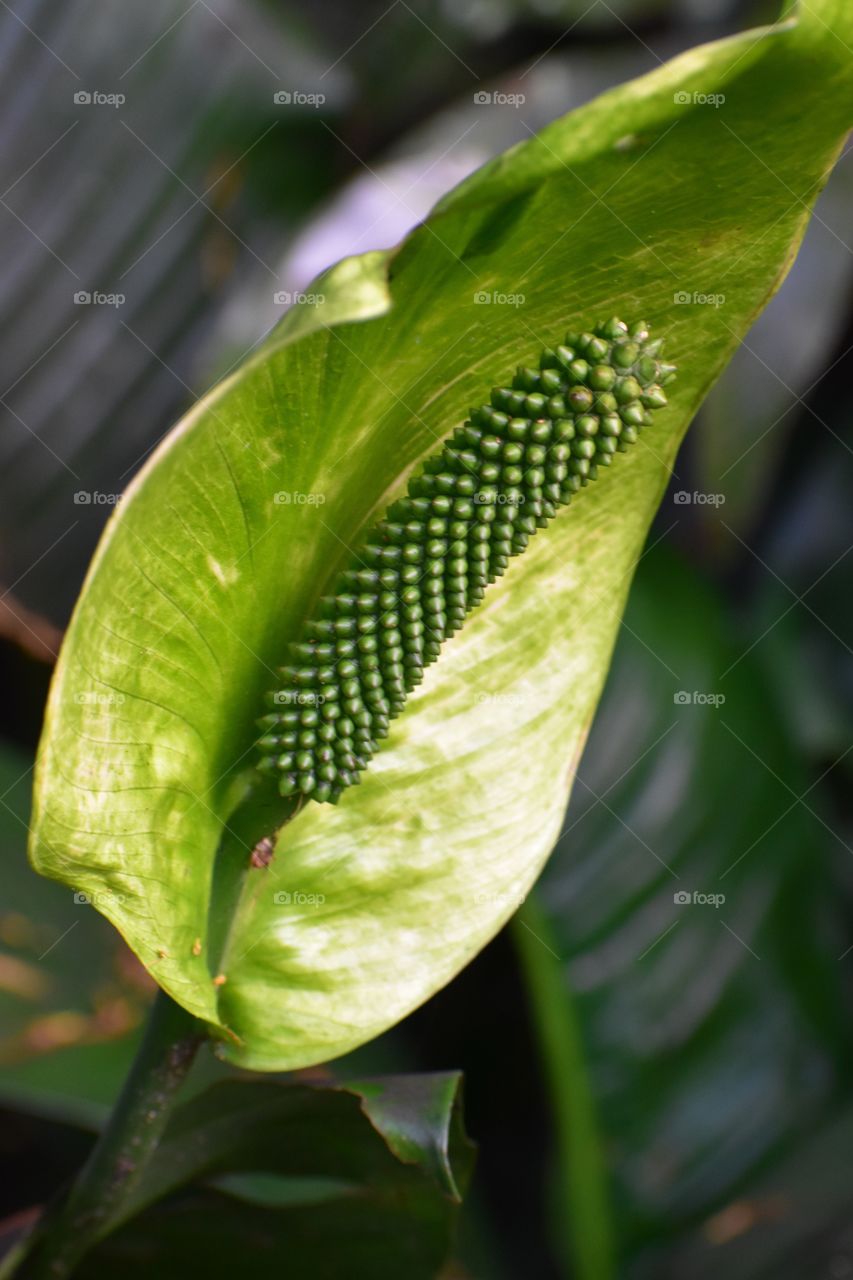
[587,1238]
[84,1213]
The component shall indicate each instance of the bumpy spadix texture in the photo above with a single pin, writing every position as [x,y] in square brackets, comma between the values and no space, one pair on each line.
[475,503]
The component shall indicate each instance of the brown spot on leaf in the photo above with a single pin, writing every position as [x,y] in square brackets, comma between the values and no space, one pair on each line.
[262,854]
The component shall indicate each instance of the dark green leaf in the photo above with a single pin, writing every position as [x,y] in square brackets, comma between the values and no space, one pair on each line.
[315,1176]
[690,789]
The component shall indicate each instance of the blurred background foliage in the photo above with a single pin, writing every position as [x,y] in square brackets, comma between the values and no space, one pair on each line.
[710,1042]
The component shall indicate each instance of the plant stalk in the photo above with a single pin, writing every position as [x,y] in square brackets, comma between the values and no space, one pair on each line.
[585,1228]
[83,1213]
